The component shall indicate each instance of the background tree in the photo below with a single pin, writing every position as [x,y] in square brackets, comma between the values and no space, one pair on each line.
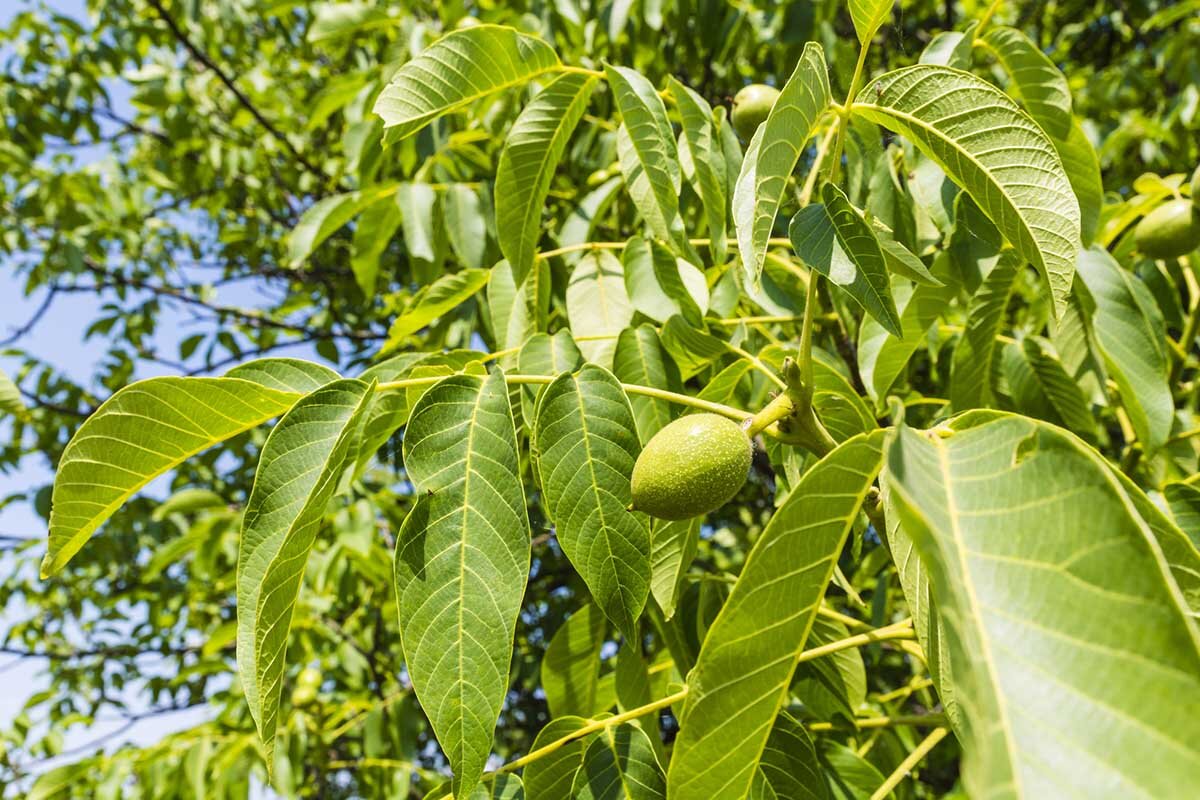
[222,164]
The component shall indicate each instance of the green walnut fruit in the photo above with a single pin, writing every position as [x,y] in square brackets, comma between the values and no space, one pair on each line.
[751,106]
[1169,231]
[1196,187]
[694,465]
[307,683]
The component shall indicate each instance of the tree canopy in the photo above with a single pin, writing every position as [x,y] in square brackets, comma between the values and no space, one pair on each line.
[392,296]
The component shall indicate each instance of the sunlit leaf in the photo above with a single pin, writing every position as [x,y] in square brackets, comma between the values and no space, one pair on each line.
[994,151]
[1041,85]
[746,664]
[443,295]
[772,155]
[598,305]
[461,67]
[532,150]
[1050,590]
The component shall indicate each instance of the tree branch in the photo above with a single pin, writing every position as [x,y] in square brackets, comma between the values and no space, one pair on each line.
[203,58]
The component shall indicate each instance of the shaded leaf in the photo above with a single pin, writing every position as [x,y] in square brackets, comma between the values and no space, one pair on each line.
[462,559]
[443,295]
[598,305]
[619,764]
[586,440]
[641,359]
[834,240]
[1129,330]
[571,666]
[297,475]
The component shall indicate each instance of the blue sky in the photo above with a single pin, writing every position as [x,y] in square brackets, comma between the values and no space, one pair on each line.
[59,340]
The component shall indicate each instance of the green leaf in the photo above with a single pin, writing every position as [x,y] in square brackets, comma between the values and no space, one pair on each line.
[586,440]
[691,348]
[443,295]
[372,233]
[868,16]
[517,313]
[975,360]
[416,202]
[551,777]
[1129,330]
[1070,642]
[951,48]
[660,285]
[641,359]
[1071,408]
[835,241]
[632,680]
[10,399]
[571,666]
[647,154]
[883,357]
[188,501]
[1082,166]
[1184,502]
[772,155]
[545,355]
[502,786]
[325,216]
[700,135]
[1041,85]
[900,259]
[673,546]
[141,432]
[462,559]
[835,684]
[466,228]
[746,663]
[298,472]
[460,68]
[789,762]
[285,374]
[332,20]
[598,305]
[850,776]
[1016,178]
[532,150]
[619,764]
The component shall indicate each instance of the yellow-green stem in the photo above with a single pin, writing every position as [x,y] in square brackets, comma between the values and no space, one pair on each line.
[907,765]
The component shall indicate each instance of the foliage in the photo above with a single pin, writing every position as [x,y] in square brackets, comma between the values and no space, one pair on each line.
[522,239]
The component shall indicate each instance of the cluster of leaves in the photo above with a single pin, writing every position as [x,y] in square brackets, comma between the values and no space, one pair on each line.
[435,537]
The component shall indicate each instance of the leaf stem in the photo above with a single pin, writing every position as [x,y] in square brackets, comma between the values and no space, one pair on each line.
[778,241]
[593,727]
[882,722]
[906,766]
[736,414]
[987,17]
[900,630]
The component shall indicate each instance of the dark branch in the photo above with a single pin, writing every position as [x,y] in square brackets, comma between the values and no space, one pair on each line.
[203,58]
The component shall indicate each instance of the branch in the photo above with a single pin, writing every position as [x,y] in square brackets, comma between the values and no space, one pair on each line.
[906,766]
[252,318]
[203,58]
[33,320]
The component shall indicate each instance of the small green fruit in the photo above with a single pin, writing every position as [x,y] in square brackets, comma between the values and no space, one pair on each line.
[751,105]
[694,465]
[1169,231]
[1196,187]
[307,683]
